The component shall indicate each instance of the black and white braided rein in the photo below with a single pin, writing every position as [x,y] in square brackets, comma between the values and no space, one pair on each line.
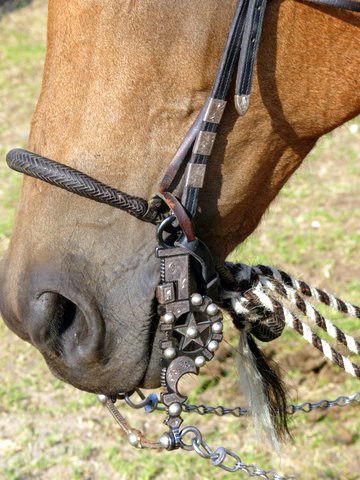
[252,297]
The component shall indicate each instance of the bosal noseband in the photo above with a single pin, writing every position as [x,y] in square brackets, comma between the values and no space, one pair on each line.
[190,285]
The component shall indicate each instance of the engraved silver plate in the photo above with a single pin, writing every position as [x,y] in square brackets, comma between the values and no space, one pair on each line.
[165,293]
[214,110]
[195,173]
[204,143]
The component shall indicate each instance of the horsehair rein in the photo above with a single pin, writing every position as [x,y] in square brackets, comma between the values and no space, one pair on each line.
[190,284]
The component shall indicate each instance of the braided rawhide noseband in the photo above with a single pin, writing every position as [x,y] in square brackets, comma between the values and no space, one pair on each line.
[77,182]
[192,294]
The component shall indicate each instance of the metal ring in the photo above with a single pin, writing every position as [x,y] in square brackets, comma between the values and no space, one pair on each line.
[218,456]
[197,447]
[221,454]
[166,226]
[185,431]
[149,403]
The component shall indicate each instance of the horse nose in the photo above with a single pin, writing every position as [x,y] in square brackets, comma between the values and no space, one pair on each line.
[60,326]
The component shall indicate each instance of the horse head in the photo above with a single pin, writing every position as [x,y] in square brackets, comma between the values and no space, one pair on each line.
[123,81]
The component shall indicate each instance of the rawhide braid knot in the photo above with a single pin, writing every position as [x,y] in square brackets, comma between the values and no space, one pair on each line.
[244,308]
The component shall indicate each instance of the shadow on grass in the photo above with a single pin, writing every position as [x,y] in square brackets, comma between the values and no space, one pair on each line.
[7,6]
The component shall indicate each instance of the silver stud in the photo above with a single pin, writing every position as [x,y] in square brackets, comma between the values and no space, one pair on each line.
[168,317]
[196,299]
[102,398]
[192,332]
[217,327]
[213,346]
[165,441]
[212,309]
[175,409]
[200,361]
[170,352]
[134,440]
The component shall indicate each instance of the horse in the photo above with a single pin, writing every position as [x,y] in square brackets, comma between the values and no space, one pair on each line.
[122,83]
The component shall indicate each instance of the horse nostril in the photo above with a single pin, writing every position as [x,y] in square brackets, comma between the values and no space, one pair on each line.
[64,315]
[57,325]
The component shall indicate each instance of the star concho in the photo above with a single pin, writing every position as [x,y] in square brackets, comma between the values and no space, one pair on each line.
[199,332]
[191,340]
[196,333]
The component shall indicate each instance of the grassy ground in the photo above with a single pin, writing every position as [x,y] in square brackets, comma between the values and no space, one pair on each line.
[48,430]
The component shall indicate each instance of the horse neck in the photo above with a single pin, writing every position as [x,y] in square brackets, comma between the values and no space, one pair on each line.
[124,80]
[306,84]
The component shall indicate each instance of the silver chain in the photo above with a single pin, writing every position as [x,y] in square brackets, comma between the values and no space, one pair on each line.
[227,459]
[152,403]
[222,457]
[291,409]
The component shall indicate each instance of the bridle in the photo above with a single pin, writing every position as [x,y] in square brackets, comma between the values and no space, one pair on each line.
[195,149]
[190,319]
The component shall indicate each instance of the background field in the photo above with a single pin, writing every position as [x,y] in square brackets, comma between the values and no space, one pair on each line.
[48,430]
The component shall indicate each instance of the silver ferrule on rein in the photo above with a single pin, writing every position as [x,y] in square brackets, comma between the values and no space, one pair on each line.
[242,104]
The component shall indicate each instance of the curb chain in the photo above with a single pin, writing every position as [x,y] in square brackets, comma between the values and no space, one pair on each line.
[291,409]
[220,455]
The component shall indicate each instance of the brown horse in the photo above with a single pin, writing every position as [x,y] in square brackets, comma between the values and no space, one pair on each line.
[122,83]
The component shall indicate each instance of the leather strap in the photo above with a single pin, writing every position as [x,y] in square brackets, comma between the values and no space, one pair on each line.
[352,5]
[203,144]
[249,46]
[241,47]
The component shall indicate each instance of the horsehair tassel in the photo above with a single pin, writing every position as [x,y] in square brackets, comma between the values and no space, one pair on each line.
[77,182]
[264,390]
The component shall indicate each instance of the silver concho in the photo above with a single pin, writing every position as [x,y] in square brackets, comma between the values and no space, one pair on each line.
[199,328]
[194,336]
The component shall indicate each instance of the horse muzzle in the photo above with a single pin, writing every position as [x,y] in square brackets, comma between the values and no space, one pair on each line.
[99,342]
